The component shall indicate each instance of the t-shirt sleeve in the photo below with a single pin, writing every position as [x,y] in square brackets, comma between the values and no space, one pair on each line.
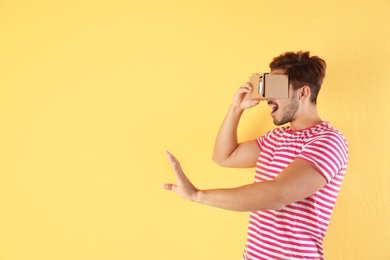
[260,140]
[328,152]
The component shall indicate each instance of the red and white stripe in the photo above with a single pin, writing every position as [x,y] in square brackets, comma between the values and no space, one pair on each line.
[297,230]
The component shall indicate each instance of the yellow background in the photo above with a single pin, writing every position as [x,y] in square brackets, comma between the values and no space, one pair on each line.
[92,93]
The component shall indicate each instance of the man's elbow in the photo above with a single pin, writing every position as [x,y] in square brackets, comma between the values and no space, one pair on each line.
[217,160]
[221,161]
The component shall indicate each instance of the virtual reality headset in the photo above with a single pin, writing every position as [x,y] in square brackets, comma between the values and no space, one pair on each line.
[266,86]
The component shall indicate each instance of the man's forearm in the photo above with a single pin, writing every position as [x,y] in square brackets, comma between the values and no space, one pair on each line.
[252,197]
[226,141]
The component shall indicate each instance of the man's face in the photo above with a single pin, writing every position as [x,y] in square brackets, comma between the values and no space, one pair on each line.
[284,110]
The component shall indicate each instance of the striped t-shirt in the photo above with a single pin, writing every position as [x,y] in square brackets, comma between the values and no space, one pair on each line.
[297,230]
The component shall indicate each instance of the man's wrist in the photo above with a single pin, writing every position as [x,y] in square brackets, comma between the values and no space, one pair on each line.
[198,197]
[237,110]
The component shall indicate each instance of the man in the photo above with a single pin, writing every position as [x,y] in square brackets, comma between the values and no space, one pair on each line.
[299,168]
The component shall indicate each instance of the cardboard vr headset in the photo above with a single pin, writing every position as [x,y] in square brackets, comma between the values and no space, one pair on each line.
[267,86]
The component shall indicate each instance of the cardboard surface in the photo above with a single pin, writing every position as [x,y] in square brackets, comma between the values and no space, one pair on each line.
[267,86]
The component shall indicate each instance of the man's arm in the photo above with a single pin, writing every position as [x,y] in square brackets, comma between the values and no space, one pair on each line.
[296,182]
[227,151]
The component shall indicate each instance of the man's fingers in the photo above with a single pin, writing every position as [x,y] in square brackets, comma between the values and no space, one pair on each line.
[174,163]
[255,102]
[171,158]
[169,186]
[246,88]
[176,167]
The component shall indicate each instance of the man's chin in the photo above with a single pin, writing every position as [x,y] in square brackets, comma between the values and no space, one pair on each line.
[280,122]
[277,123]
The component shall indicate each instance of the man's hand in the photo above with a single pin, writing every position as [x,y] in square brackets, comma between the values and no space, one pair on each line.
[184,187]
[241,99]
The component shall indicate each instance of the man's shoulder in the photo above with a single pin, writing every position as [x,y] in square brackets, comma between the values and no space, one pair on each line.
[328,136]
[326,129]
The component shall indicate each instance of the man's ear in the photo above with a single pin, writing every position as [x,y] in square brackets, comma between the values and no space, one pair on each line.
[304,93]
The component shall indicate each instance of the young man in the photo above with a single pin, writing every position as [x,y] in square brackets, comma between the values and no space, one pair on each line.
[299,168]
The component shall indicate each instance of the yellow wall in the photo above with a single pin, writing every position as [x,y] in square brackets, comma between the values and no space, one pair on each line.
[92,93]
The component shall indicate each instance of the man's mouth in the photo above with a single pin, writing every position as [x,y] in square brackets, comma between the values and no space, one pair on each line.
[273,106]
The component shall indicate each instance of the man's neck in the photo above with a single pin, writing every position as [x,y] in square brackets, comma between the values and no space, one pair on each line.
[305,119]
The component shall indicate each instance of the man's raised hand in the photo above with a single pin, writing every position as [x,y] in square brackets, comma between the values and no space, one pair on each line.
[184,188]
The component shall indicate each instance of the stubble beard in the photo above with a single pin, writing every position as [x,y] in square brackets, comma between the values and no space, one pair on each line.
[288,112]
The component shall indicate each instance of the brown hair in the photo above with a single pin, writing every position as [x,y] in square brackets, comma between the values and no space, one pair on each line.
[302,70]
